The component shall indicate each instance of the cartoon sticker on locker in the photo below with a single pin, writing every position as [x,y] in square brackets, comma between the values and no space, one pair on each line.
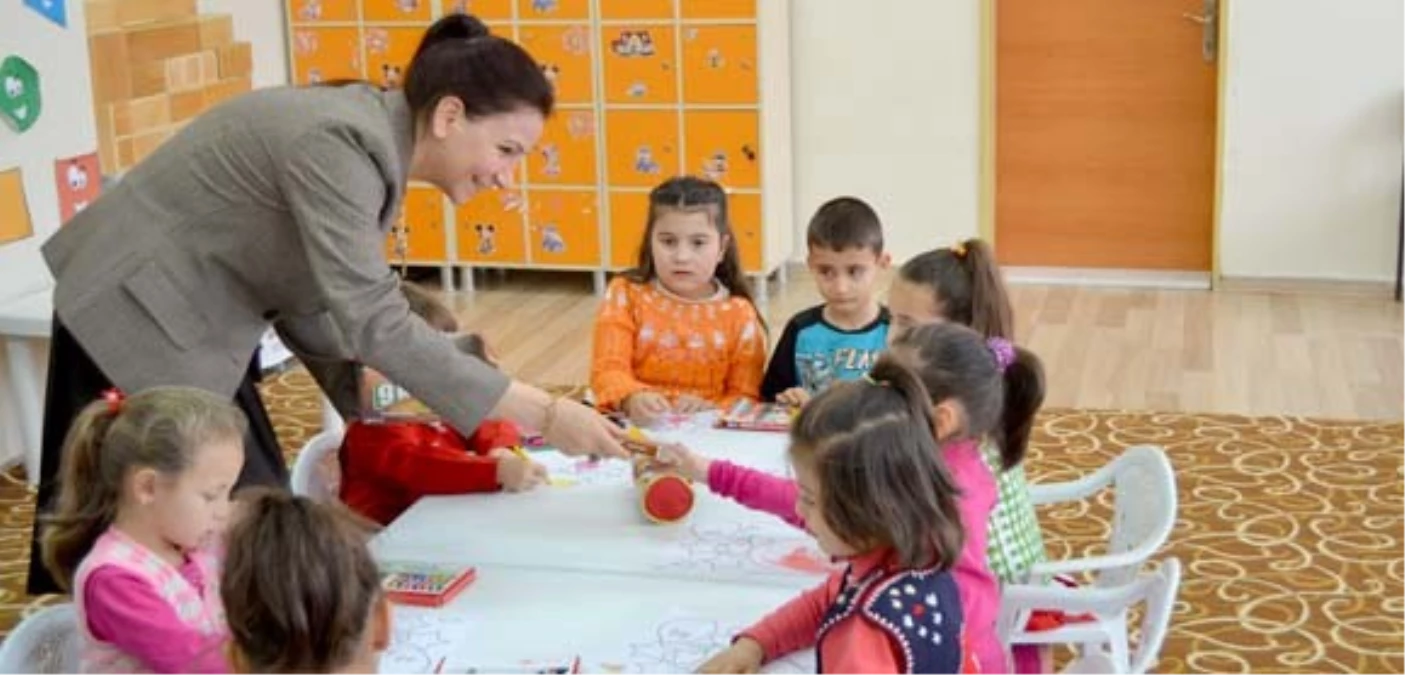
[552,242]
[544,6]
[407,6]
[487,238]
[580,125]
[714,168]
[551,160]
[633,44]
[305,43]
[714,59]
[511,201]
[377,41]
[390,76]
[79,183]
[575,41]
[638,90]
[310,10]
[644,161]
[314,76]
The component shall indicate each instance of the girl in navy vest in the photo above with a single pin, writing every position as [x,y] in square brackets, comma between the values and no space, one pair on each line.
[873,493]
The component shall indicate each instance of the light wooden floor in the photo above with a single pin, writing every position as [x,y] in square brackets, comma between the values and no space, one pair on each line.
[1236,352]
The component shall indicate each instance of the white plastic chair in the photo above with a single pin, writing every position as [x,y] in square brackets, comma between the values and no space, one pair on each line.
[1103,642]
[310,472]
[332,421]
[1143,484]
[46,641]
[1144,512]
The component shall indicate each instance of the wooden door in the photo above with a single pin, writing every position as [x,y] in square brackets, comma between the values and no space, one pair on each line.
[1105,135]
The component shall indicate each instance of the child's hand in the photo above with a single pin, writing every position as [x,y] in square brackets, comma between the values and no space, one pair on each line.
[689,404]
[516,474]
[794,396]
[645,406]
[744,656]
[689,463]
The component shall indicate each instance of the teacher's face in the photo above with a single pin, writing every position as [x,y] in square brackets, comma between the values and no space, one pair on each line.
[463,155]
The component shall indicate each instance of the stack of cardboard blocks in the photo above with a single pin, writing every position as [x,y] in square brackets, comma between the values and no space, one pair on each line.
[156,64]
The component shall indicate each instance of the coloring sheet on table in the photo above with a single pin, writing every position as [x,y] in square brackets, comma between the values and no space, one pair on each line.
[604,530]
[421,639]
[567,471]
[613,622]
[681,643]
[742,550]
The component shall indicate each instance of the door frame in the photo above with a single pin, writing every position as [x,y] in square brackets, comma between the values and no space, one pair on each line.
[985,207]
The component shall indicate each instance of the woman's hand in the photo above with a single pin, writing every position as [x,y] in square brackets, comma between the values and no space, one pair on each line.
[576,429]
[744,656]
[643,407]
[568,426]
[516,473]
[689,463]
[689,404]
[794,397]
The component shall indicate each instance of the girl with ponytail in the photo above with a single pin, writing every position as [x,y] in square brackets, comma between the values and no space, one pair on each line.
[961,284]
[145,498]
[874,492]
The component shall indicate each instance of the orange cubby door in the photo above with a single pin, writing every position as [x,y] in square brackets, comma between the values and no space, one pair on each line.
[565,155]
[388,52]
[722,146]
[639,63]
[744,212]
[629,219]
[564,226]
[325,54]
[719,64]
[490,228]
[717,9]
[314,11]
[528,10]
[628,10]
[395,10]
[563,52]
[643,146]
[487,10]
[424,225]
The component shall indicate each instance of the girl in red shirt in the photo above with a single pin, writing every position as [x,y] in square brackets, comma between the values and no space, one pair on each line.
[873,493]
[389,461]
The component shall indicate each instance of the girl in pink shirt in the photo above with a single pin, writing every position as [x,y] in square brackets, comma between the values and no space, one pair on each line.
[146,483]
[873,492]
[978,389]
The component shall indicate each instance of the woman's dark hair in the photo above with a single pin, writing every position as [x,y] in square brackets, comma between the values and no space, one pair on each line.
[690,194]
[298,584]
[955,362]
[965,281]
[459,57]
[882,480]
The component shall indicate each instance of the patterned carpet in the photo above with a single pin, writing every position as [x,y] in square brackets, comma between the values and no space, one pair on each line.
[1290,530]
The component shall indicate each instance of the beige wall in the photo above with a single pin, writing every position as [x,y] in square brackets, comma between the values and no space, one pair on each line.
[1312,158]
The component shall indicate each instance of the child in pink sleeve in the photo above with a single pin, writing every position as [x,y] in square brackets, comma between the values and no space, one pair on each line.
[873,493]
[145,494]
[967,379]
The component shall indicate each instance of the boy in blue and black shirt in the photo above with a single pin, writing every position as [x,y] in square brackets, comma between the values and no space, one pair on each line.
[840,339]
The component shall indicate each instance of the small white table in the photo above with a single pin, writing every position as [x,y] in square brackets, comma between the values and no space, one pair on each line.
[23,321]
[578,570]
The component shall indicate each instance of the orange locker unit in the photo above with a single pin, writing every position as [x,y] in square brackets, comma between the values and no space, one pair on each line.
[646,89]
